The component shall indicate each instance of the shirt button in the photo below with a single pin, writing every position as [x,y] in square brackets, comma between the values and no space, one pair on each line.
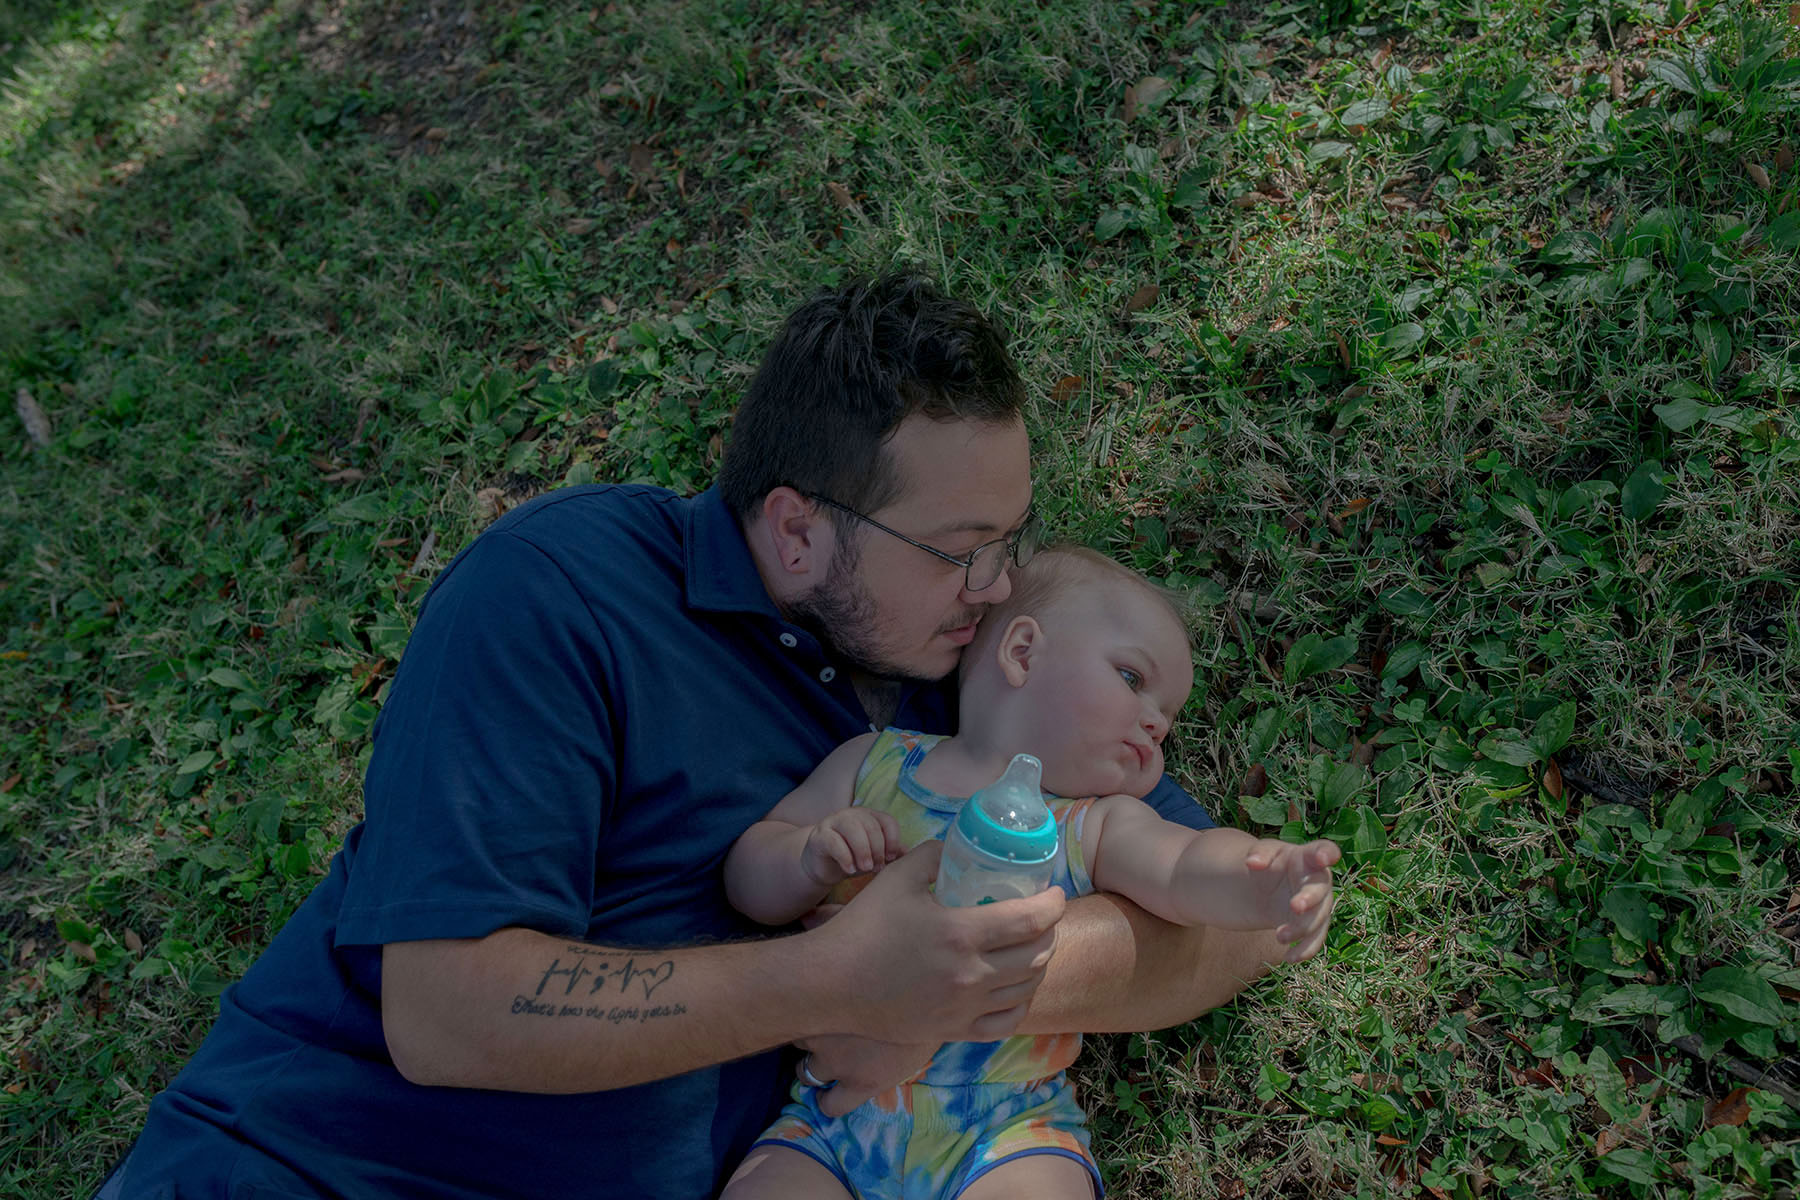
[828,674]
[789,640]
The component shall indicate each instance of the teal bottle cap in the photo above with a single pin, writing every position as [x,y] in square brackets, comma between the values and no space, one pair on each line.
[1008,818]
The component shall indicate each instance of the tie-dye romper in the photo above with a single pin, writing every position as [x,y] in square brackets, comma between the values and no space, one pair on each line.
[976,1104]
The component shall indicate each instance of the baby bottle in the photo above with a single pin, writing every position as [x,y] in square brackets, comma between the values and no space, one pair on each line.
[1002,844]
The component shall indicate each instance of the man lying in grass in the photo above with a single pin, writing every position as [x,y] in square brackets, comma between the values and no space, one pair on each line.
[521,976]
[1084,666]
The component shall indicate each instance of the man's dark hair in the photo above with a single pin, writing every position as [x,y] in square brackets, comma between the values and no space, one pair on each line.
[847,368]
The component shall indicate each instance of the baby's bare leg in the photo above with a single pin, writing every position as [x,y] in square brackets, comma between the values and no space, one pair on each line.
[1040,1176]
[776,1172]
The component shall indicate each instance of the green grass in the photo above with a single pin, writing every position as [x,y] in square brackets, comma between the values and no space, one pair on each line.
[1463,404]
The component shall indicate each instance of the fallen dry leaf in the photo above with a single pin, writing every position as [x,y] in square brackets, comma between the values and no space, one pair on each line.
[85,953]
[1256,781]
[436,134]
[642,159]
[424,554]
[1733,1109]
[12,781]
[1206,1066]
[1144,92]
[366,674]
[1143,298]
[1354,507]
[490,502]
[1543,1075]
[1553,780]
[579,226]
[133,942]
[1065,390]
[840,195]
[1376,1081]
[37,424]
[1758,176]
[345,475]
[1784,156]
[1642,1070]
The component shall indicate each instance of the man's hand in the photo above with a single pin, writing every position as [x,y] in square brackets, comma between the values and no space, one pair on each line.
[851,841]
[1295,888]
[859,1069]
[909,970]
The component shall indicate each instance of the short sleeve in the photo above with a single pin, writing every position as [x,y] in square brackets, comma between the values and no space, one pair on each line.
[493,761]
[1173,804]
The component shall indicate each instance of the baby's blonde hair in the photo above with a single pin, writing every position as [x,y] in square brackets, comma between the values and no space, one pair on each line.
[1050,576]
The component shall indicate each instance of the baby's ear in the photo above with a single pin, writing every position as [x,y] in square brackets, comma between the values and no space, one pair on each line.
[1019,644]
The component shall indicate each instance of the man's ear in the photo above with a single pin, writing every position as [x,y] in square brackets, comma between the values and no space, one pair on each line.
[1019,644]
[798,532]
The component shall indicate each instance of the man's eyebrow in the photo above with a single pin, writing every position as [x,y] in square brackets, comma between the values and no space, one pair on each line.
[969,526]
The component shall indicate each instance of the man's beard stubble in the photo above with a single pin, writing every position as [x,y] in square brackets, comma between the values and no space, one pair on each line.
[843,615]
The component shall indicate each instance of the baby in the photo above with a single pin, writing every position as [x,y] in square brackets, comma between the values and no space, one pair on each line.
[1084,666]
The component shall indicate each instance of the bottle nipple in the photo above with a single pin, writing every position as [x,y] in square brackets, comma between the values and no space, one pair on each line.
[1015,800]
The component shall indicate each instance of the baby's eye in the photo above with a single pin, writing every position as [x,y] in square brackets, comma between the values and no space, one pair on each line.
[1132,679]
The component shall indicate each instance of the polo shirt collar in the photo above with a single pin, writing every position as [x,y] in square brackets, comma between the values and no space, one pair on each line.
[721,574]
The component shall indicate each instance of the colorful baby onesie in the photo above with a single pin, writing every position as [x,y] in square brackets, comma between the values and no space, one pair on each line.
[976,1104]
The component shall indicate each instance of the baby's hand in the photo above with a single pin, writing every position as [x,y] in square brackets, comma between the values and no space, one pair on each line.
[851,841]
[1298,887]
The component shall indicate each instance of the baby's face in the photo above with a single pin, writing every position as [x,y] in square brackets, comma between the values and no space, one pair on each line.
[1115,670]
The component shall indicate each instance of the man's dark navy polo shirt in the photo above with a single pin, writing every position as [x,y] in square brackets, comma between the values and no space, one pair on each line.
[598,698]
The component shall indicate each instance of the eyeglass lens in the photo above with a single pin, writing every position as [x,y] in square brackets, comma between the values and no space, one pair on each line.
[990,560]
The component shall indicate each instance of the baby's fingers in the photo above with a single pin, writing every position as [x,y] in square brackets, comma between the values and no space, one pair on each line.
[859,838]
[890,844]
[842,853]
[1265,854]
[1307,946]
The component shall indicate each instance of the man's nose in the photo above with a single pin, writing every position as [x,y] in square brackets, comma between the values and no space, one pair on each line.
[1156,725]
[994,593]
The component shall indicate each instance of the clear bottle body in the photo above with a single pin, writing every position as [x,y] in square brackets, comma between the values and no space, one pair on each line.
[967,876]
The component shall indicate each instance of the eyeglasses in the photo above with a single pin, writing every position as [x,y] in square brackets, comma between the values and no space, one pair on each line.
[985,564]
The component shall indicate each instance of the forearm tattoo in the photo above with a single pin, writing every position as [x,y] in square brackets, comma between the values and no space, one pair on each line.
[557,995]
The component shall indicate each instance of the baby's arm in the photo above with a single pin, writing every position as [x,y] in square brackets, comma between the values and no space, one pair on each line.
[782,866]
[1220,877]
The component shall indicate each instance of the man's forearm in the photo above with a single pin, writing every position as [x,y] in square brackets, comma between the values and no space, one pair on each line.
[523,1011]
[519,1010]
[1119,969]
